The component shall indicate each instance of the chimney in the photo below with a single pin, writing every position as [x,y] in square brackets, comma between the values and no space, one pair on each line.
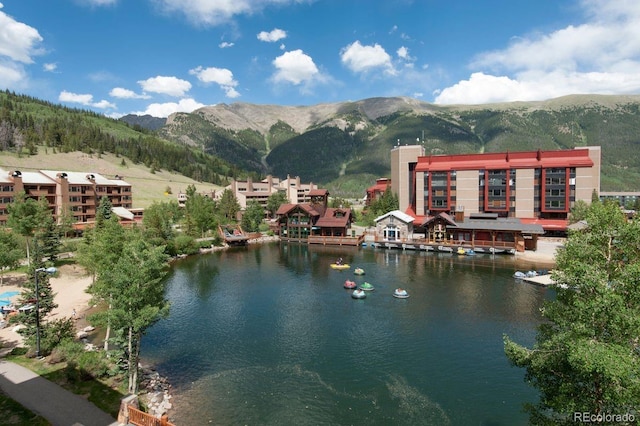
[459,217]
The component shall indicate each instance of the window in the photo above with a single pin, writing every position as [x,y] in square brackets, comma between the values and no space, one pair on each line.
[554,204]
[439,203]
[555,192]
[498,192]
[7,188]
[550,180]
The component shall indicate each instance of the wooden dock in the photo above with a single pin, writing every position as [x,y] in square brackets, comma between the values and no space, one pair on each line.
[233,235]
[542,280]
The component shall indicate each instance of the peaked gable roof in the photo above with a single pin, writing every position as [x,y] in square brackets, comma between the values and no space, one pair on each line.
[398,215]
[287,208]
[442,215]
[330,219]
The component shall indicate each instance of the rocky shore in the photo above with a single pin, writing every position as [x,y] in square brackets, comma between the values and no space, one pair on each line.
[155,393]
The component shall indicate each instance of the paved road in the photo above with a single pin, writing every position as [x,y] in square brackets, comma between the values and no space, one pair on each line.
[45,398]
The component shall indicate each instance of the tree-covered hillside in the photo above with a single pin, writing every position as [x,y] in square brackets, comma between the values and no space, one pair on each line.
[343,146]
[26,123]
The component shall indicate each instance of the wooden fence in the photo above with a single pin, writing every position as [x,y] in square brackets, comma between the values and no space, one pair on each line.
[140,418]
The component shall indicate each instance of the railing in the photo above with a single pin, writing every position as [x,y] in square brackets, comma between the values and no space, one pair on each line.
[335,241]
[140,418]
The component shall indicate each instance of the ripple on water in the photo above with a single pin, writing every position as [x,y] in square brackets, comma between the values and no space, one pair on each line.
[290,394]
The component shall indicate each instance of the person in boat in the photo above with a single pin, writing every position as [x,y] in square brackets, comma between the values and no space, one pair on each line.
[339,261]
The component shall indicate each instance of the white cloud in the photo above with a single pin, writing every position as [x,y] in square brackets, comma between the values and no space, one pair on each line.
[50,67]
[166,109]
[225,45]
[272,36]
[171,86]
[220,76]
[18,42]
[600,56]
[211,13]
[119,92]
[84,99]
[295,67]
[403,53]
[97,3]
[12,74]
[362,59]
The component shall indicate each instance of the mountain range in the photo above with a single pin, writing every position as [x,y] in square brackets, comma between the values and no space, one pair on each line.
[340,146]
[345,146]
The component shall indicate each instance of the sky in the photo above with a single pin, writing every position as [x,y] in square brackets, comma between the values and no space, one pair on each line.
[157,57]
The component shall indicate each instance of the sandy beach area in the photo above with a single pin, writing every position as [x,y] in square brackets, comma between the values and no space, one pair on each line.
[69,289]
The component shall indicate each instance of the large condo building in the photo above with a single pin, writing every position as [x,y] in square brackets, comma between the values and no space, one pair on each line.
[535,186]
[248,190]
[78,192]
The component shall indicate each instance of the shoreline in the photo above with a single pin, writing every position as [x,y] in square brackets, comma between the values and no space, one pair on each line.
[70,285]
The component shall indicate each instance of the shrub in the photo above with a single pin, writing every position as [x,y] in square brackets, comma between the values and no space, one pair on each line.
[92,365]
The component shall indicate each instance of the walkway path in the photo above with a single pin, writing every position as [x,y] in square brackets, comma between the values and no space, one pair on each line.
[45,398]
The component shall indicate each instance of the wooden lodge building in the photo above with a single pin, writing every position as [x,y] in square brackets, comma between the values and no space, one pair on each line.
[316,223]
[480,232]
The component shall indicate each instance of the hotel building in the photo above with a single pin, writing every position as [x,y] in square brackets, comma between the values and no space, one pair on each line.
[537,187]
[78,192]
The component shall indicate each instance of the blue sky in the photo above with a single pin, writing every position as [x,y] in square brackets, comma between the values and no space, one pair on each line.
[161,56]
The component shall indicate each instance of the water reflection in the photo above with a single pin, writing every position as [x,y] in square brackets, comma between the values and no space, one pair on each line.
[268,335]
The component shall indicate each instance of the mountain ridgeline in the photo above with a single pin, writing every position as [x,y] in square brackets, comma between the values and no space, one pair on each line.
[341,146]
[345,146]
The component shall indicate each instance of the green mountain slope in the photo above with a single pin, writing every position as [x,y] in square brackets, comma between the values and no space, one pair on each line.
[27,123]
[344,146]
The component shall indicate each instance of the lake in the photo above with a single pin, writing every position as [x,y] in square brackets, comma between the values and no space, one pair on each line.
[267,335]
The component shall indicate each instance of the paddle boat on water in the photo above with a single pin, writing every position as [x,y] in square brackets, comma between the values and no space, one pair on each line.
[340,267]
[358,271]
[367,286]
[339,264]
[358,294]
[400,293]
[461,251]
[350,284]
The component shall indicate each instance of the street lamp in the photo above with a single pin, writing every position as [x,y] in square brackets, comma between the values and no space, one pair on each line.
[50,270]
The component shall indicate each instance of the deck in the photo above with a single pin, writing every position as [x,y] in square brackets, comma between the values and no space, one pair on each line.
[446,246]
[233,235]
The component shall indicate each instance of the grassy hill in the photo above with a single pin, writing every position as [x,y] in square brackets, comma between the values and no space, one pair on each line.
[147,187]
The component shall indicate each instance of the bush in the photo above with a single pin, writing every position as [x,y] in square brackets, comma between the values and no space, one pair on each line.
[55,332]
[67,350]
[92,365]
[183,244]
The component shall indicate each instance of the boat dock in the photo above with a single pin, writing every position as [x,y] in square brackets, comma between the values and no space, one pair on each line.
[542,280]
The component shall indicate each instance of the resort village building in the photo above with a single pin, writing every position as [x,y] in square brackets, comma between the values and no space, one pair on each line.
[537,187]
[76,192]
[248,190]
[314,222]
[376,191]
[492,202]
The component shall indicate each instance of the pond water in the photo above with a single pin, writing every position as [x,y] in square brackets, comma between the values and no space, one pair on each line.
[267,335]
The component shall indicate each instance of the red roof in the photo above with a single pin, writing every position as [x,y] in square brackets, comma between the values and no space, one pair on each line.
[380,186]
[547,224]
[318,192]
[329,220]
[506,160]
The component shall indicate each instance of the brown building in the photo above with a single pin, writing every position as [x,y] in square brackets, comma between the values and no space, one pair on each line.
[78,192]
